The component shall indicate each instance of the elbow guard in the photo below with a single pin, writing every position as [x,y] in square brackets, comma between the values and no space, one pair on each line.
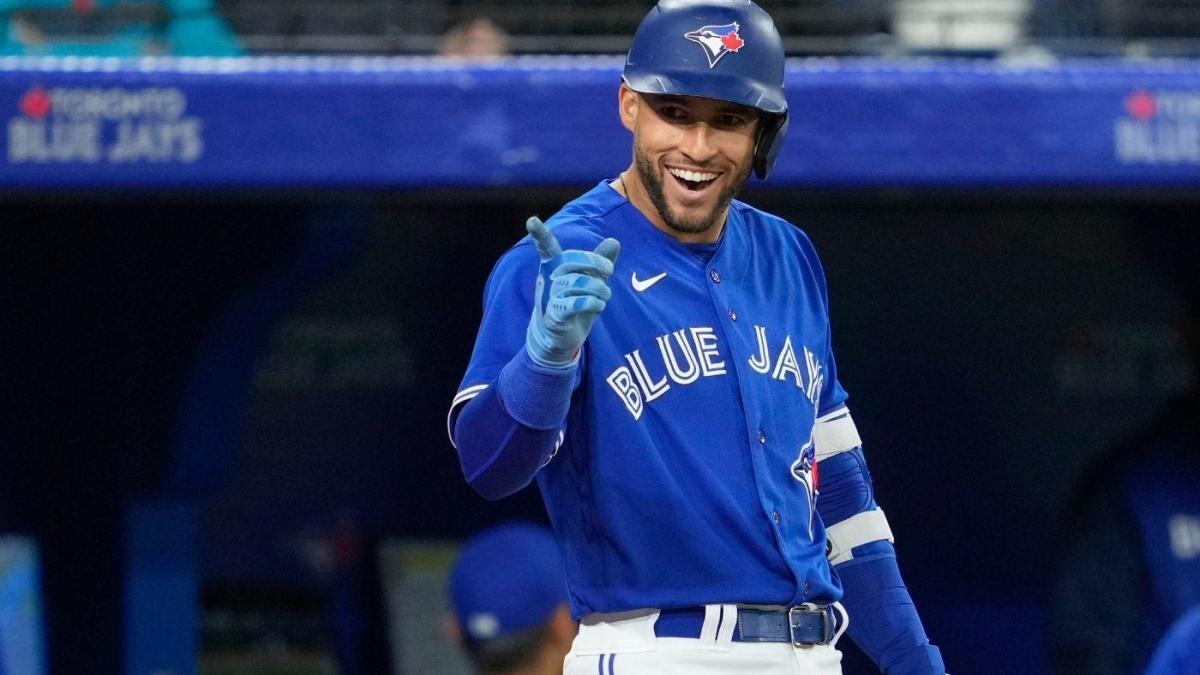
[847,503]
[854,522]
[886,624]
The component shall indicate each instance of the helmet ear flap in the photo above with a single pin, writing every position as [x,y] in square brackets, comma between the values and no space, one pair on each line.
[771,131]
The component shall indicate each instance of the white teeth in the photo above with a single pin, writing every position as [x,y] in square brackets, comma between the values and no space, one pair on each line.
[694,176]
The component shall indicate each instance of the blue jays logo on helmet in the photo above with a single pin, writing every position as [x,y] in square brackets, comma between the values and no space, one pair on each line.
[717,41]
[659,63]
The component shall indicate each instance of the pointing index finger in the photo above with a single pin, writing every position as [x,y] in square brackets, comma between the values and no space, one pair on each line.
[543,238]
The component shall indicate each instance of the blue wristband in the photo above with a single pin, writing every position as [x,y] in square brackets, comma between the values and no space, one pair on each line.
[536,396]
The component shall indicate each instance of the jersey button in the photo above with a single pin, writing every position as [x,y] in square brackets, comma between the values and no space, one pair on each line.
[715,276]
[732,315]
[775,517]
[762,437]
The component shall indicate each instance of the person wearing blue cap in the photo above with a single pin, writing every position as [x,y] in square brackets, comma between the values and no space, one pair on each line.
[509,594]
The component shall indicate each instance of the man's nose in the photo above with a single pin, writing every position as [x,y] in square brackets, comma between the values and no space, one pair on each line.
[697,143]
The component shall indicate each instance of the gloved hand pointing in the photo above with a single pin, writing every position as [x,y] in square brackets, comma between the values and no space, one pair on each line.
[572,290]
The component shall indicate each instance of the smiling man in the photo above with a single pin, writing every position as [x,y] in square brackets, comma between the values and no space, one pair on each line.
[698,172]
[680,409]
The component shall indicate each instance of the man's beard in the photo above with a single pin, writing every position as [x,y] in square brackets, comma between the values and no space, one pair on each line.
[652,181]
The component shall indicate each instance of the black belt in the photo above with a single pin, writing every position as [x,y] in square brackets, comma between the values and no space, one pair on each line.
[801,625]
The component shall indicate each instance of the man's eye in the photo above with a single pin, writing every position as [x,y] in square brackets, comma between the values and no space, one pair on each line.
[730,121]
[671,112]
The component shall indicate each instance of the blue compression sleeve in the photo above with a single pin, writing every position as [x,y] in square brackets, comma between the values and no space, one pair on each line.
[507,432]
[845,486]
[883,619]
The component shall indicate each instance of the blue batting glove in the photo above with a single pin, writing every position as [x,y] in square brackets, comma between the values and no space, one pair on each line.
[572,289]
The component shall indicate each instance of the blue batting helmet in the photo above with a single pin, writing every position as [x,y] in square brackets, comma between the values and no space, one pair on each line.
[722,49]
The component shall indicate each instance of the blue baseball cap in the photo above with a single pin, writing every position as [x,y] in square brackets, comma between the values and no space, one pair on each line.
[507,579]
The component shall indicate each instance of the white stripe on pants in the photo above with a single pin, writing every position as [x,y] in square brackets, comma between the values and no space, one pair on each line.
[625,644]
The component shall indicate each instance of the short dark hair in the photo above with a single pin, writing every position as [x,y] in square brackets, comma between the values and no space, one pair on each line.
[507,652]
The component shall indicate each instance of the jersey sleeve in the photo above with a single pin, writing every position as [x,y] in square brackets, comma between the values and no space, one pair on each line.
[833,395]
[507,307]
[508,419]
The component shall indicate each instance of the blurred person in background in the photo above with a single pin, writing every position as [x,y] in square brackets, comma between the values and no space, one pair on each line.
[1130,560]
[509,595]
[1179,651]
[114,28]
[475,38]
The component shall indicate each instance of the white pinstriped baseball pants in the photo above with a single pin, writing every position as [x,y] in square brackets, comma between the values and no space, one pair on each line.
[625,644]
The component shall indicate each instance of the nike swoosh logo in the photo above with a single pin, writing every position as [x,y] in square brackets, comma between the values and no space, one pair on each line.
[639,285]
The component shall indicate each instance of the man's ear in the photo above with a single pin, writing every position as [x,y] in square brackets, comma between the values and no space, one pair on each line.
[627,103]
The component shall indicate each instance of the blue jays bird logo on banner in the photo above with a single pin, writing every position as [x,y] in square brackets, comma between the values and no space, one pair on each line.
[717,41]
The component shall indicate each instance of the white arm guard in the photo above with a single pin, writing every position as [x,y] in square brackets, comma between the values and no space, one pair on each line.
[835,432]
[861,528]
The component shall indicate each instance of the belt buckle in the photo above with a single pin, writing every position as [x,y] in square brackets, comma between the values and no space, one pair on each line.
[827,627]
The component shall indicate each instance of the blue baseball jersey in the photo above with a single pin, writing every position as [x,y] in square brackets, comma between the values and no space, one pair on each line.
[686,472]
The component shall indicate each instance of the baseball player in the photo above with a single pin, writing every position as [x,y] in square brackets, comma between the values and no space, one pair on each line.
[678,404]
[510,602]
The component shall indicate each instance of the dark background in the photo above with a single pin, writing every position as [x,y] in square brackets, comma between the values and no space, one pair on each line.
[991,342]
